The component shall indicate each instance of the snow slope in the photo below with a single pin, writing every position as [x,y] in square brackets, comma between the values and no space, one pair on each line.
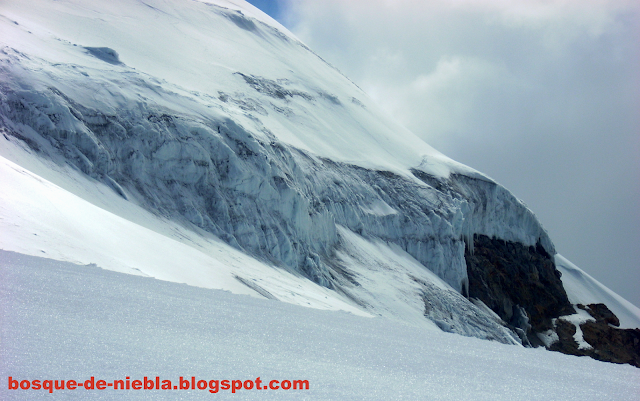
[109,323]
[196,48]
[40,218]
[583,289]
[203,113]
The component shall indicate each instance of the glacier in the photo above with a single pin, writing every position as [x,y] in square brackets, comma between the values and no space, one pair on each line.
[199,162]
[212,121]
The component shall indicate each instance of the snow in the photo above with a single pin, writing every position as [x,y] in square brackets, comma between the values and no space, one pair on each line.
[38,217]
[95,225]
[583,289]
[184,100]
[197,48]
[550,337]
[393,284]
[64,321]
[163,97]
[159,100]
[379,208]
[251,11]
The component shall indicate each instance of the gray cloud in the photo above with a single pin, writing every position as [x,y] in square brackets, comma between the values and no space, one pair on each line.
[542,96]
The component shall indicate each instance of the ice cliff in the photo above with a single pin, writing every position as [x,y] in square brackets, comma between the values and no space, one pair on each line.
[211,114]
[255,191]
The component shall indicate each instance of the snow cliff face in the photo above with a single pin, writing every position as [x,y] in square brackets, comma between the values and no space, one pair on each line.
[207,115]
[256,191]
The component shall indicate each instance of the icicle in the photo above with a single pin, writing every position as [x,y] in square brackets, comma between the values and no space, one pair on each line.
[468,236]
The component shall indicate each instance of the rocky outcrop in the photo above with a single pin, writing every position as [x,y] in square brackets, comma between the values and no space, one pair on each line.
[519,283]
[607,343]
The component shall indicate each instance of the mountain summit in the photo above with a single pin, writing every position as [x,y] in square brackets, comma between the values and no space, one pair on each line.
[213,133]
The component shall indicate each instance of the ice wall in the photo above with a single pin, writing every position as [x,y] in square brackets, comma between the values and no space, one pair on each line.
[187,158]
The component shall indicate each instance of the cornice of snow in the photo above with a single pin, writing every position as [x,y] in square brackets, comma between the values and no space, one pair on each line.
[251,11]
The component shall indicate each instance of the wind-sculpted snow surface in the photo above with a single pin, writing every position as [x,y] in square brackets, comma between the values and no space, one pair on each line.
[223,121]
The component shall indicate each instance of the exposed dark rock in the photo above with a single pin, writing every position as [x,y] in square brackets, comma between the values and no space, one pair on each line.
[601,312]
[522,286]
[514,280]
[611,344]
[608,343]
[566,342]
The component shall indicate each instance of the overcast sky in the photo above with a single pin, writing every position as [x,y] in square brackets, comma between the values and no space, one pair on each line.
[541,95]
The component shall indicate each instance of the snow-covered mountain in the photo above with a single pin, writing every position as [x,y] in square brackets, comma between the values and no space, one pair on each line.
[201,142]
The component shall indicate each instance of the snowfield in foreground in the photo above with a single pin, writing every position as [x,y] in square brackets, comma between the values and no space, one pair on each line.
[583,289]
[111,325]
